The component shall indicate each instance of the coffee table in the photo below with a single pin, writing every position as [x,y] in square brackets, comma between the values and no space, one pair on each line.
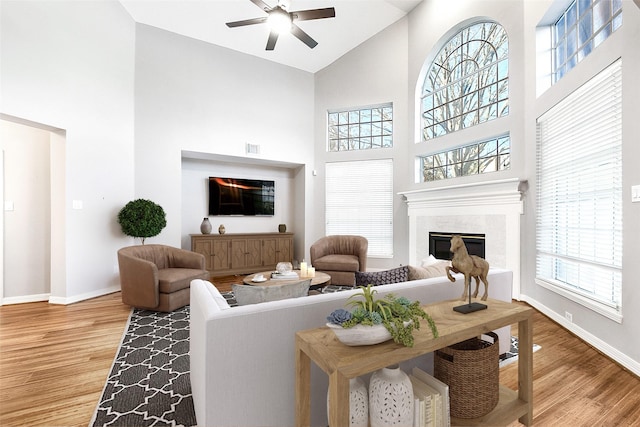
[320,280]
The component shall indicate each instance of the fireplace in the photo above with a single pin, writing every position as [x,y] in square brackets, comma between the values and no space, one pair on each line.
[439,244]
[494,208]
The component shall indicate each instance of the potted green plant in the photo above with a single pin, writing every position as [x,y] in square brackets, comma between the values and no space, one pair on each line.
[376,320]
[142,218]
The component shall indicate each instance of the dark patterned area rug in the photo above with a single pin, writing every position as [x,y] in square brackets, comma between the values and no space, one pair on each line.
[149,380]
[512,355]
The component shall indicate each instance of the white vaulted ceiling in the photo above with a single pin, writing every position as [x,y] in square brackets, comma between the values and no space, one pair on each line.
[355,22]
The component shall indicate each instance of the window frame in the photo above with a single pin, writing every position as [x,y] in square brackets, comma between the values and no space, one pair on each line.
[489,97]
[457,162]
[570,229]
[364,206]
[360,128]
[572,20]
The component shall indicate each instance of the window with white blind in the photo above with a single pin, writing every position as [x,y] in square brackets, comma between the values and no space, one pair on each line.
[359,201]
[579,195]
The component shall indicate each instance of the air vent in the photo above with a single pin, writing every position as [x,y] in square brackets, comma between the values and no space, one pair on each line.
[253,148]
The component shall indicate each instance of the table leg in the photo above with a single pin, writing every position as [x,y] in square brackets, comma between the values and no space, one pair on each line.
[525,367]
[338,400]
[303,387]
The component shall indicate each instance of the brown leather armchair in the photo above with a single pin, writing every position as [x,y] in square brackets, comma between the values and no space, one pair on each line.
[340,257]
[157,277]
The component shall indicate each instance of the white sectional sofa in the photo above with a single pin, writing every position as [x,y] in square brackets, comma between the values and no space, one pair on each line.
[242,358]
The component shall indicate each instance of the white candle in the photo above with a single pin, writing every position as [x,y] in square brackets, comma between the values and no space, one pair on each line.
[311,271]
[303,269]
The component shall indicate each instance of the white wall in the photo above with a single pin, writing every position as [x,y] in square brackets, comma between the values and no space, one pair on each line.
[195,197]
[27,221]
[614,339]
[373,73]
[197,97]
[69,65]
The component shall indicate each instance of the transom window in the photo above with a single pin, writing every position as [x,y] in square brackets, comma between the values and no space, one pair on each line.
[468,81]
[361,129]
[583,26]
[484,157]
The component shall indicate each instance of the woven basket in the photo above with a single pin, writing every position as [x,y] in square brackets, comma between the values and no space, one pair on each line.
[471,369]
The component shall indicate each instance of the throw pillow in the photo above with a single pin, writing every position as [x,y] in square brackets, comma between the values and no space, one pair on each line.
[429,261]
[375,278]
[434,270]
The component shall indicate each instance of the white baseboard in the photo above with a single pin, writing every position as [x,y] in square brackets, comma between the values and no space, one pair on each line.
[85,296]
[612,352]
[24,299]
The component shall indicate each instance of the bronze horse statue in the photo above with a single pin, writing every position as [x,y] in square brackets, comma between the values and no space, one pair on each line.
[470,266]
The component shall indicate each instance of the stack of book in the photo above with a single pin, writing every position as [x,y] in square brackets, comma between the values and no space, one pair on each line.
[431,400]
[291,275]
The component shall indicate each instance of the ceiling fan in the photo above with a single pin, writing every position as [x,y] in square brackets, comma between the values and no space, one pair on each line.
[282,20]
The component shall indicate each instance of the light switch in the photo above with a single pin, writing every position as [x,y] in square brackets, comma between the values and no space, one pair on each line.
[8,205]
[77,204]
[635,193]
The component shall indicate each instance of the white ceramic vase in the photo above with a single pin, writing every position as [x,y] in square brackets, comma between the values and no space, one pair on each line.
[390,398]
[358,403]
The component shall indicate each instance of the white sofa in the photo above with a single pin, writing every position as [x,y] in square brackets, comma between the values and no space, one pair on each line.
[242,358]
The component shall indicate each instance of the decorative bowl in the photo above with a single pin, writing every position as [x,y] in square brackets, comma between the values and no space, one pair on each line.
[360,334]
[284,267]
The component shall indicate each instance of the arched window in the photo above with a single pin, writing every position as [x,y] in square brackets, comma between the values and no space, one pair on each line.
[468,81]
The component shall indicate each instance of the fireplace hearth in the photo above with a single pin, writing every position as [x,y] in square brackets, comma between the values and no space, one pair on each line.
[440,243]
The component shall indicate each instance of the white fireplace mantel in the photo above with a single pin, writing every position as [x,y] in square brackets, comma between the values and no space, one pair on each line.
[472,206]
[507,192]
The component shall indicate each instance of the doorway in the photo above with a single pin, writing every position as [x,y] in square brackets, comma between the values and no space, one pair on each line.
[31,183]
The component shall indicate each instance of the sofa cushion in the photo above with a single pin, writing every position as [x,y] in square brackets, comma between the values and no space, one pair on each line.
[173,279]
[433,270]
[250,294]
[394,275]
[336,262]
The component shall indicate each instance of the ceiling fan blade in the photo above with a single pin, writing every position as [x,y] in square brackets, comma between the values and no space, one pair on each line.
[273,38]
[247,22]
[306,15]
[262,5]
[304,37]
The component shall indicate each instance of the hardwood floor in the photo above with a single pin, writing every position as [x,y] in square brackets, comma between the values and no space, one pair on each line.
[54,361]
[575,385]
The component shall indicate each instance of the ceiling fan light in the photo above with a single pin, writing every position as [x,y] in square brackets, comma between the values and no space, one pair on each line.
[279,21]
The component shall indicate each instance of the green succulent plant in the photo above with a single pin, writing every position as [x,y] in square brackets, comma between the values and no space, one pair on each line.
[399,315]
[142,218]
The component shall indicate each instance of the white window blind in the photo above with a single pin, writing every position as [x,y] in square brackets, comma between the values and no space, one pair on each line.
[579,202]
[359,201]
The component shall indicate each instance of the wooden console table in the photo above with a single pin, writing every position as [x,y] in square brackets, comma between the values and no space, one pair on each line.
[341,362]
[242,253]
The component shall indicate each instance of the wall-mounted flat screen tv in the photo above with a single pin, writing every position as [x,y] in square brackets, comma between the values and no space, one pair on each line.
[235,196]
